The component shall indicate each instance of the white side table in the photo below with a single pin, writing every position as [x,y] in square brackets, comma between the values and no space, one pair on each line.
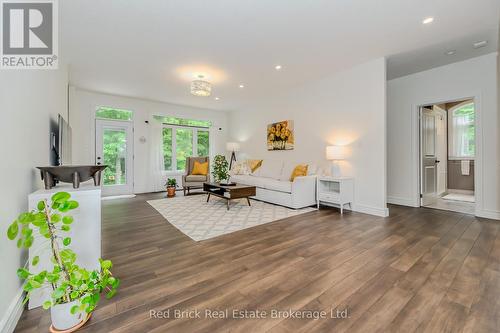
[335,191]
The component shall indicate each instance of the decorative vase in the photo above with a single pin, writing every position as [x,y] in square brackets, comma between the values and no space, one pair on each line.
[170,191]
[63,320]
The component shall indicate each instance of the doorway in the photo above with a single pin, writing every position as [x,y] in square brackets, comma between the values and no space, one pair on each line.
[447,154]
[114,148]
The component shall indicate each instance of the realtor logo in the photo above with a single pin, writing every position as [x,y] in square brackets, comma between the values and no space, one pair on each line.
[29,34]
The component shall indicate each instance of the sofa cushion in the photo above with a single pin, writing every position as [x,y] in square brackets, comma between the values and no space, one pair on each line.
[271,169]
[276,185]
[247,180]
[196,178]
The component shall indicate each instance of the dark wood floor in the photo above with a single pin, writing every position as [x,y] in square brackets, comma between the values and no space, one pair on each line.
[420,270]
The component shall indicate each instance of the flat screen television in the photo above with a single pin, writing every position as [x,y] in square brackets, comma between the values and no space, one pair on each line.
[61,142]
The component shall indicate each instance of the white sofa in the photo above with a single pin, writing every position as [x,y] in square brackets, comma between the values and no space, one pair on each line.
[273,185]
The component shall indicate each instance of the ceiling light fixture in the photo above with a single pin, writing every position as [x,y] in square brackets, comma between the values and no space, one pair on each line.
[201,87]
[428,20]
[242,86]
[450,52]
[216,98]
[479,44]
[277,67]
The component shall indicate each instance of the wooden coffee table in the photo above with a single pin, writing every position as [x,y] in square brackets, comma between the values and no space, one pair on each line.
[237,191]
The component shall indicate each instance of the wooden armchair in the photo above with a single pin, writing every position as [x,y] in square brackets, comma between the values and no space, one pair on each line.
[190,181]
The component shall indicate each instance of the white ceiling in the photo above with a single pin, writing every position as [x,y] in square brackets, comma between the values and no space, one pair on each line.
[150,49]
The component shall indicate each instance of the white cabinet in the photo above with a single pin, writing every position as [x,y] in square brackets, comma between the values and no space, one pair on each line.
[85,233]
[333,191]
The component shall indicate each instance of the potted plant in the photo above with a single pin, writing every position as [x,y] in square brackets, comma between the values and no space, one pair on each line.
[171,185]
[220,169]
[75,290]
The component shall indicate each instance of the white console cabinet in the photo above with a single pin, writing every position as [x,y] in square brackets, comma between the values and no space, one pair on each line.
[85,233]
[333,191]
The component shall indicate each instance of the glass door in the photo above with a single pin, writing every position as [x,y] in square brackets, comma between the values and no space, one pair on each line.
[114,148]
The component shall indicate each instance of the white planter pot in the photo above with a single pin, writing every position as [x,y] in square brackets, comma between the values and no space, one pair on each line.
[61,316]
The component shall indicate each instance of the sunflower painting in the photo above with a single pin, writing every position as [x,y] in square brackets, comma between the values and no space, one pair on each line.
[280,135]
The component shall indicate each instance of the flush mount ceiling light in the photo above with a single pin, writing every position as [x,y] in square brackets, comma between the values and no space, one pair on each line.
[450,52]
[277,67]
[201,87]
[428,20]
[216,98]
[242,86]
[479,44]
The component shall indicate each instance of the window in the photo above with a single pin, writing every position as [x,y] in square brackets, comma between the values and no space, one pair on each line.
[183,122]
[462,131]
[182,141]
[112,113]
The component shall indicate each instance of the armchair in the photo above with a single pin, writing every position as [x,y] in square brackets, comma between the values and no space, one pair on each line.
[190,181]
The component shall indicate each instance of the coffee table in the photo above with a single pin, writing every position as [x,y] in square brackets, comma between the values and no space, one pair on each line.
[232,192]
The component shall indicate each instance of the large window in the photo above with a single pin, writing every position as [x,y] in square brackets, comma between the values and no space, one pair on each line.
[182,141]
[462,132]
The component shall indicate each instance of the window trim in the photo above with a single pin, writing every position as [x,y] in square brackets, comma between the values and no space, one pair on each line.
[450,131]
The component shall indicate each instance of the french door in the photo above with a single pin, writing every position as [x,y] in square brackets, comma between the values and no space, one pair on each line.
[114,148]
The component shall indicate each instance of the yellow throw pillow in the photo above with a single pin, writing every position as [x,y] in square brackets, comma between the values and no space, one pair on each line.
[200,168]
[299,171]
[254,164]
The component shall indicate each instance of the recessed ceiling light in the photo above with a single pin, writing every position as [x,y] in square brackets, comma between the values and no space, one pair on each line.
[428,20]
[277,67]
[217,98]
[479,44]
[450,52]
[242,86]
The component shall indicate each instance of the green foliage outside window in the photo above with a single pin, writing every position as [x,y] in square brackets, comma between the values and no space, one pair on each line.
[183,122]
[203,143]
[468,114]
[115,150]
[184,146]
[167,148]
[112,113]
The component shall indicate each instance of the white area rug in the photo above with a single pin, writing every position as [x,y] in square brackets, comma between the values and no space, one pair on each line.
[201,220]
[459,197]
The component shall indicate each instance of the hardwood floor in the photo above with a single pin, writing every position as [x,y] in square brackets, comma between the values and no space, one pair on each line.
[419,270]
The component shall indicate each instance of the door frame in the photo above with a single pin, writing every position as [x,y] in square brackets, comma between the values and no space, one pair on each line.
[478,161]
[119,124]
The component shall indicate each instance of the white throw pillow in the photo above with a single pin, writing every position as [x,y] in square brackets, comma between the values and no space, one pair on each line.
[241,168]
[271,169]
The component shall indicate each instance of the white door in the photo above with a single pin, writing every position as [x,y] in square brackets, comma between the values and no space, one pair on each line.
[114,148]
[428,153]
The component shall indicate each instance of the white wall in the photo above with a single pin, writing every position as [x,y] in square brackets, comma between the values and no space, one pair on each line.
[475,78]
[345,109]
[29,100]
[83,105]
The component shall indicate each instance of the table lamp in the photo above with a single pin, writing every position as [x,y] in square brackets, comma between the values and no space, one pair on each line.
[334,154]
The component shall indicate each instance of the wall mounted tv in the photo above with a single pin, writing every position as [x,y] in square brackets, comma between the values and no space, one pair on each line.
[61,142]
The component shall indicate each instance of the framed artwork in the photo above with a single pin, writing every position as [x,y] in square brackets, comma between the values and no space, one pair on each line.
[280,135]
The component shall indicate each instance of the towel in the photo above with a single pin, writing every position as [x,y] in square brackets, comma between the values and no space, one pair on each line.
[465,167]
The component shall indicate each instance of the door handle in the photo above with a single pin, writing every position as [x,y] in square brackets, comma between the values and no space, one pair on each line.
[437,161]
[98,163]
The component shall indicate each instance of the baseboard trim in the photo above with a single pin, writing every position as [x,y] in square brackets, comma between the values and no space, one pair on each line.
[401,201]
[488,214]
[382,212]
[13,313]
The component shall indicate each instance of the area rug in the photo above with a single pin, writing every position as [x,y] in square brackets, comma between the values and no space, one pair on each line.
[201,220]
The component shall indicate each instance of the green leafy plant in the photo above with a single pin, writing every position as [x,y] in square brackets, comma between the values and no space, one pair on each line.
[171,182]
[220,168]
[69,282]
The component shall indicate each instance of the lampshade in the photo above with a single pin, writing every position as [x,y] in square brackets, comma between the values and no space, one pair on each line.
[335,153]
[232,146]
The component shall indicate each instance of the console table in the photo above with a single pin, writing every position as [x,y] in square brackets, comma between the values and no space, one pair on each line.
[335,191]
